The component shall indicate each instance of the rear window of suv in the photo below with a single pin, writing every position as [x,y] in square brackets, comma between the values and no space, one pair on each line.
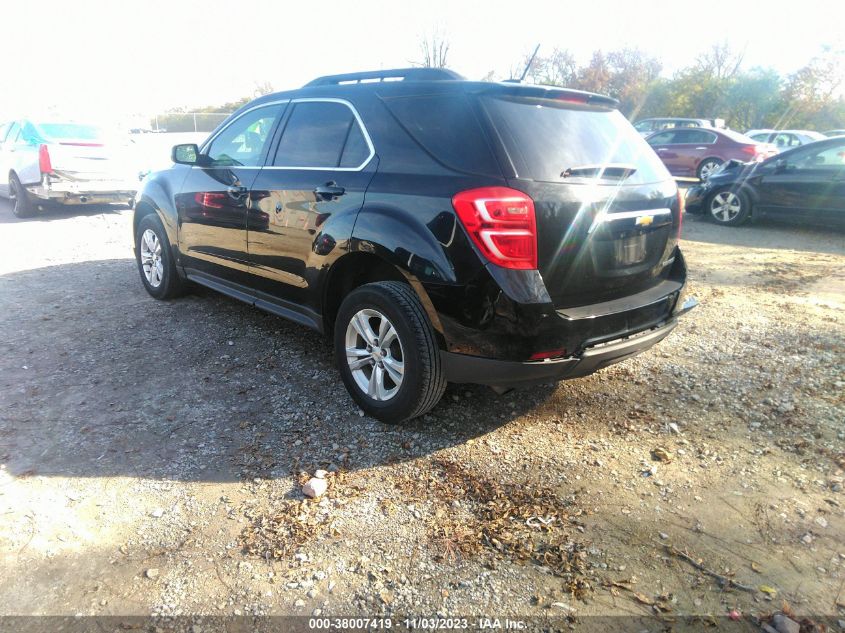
[544,138]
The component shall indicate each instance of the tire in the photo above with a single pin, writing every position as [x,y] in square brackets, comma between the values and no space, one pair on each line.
[422,379]
[22,204]
[161,279]
[728,206]
[706,167]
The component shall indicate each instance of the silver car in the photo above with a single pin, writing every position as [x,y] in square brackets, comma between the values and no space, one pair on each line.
[785,139]
[63,162]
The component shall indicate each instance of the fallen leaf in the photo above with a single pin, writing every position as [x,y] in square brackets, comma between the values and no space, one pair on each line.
[755,567]
[769,590]
[643,599]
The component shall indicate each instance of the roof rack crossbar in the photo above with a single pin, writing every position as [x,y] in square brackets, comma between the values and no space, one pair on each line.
[396,74]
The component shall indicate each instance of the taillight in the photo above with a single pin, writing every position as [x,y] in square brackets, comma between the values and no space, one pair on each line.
[552,353]
[501,223]
[751,150]
[210,200]
[44,163]
[681,208]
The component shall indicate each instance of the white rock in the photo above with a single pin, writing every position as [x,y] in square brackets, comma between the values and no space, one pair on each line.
[299,603]
[315,487]
[157,513]
[821,521]
[321,474]
[152,572]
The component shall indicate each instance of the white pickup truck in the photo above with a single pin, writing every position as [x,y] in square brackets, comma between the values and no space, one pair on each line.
[63,162]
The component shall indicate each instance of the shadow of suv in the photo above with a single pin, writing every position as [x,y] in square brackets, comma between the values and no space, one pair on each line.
[438,229]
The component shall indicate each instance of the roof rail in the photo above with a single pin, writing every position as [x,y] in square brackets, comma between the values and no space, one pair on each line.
[396,74]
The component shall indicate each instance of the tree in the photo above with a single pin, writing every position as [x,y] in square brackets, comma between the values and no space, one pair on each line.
[435,51]
[720,62]
[632,75]
[595,76]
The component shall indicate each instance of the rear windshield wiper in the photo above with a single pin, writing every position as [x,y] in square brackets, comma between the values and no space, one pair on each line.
[599,171]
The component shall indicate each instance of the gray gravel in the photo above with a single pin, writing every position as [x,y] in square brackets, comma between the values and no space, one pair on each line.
[145,445]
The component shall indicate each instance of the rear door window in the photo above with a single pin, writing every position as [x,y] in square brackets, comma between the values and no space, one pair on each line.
[322,135]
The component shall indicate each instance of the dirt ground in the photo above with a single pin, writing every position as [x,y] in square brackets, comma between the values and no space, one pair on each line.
[151,455]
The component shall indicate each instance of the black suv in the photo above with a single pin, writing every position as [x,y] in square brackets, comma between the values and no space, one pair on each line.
[440,230]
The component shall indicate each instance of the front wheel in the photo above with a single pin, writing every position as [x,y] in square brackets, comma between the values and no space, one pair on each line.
[155,259]
[387,353]
[728,207]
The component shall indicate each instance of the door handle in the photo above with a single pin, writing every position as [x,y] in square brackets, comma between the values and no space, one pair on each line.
[329,190]
[700,148]
[661,149]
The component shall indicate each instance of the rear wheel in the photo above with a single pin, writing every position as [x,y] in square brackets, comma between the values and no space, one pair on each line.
[386,352]
[728,207]
[22,205]
[707,167]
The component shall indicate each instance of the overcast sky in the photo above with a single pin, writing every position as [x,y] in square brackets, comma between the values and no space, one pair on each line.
[116,58]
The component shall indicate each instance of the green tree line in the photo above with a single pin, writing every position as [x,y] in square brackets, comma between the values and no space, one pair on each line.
[715,86]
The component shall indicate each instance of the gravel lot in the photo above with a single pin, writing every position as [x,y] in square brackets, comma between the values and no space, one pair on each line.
[152,454]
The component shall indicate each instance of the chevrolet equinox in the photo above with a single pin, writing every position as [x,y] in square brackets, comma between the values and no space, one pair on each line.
[437,229]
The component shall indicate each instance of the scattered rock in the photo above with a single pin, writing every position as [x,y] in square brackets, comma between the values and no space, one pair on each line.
[784,624]
[315,488]
[157,513]
[821,521]
[321,474]
[151,573]
[807,538]
[299,603]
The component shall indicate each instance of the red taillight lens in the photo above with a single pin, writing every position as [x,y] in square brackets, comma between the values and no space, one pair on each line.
[552,353]
[44,163]
[210,200]
[501,223]
[681,209]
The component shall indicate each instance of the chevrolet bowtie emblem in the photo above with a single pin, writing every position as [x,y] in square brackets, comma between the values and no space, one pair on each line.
[644,220]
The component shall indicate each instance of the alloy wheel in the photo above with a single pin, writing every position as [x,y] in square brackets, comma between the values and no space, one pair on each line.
[374,354]
[725,206]
[151,260]
[707,169]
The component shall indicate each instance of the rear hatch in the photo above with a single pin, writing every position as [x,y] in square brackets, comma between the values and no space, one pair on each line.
[85,153]
[607,210]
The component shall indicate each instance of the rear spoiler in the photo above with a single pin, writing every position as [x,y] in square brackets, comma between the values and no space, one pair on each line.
[554,93]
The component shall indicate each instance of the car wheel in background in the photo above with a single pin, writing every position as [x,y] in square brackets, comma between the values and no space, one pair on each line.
[707,167]
[387,353]
[728,206]
[22,204]
[155,259]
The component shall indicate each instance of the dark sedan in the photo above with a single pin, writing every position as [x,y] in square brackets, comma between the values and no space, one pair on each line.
[697,152]
[806,183]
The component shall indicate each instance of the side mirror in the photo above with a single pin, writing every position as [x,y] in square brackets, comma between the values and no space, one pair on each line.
[185,154]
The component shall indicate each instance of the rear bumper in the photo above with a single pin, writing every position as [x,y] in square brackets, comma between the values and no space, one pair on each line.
[487,371]
[84,192]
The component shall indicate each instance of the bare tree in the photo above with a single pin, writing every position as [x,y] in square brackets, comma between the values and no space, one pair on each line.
[262,88]
[721,61]
[435,50]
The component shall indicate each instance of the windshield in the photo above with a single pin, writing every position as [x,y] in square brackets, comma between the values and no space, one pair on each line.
[553,141]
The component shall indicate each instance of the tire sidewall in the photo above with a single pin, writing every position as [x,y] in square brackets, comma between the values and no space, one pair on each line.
[152,222]
[370,296]
[22,207]
[744,208]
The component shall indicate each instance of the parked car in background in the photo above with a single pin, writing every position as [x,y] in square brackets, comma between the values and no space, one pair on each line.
[649,126]
[834,133]
[697,152]
[436,229]
[805,183]
[62,161]
[785,139]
